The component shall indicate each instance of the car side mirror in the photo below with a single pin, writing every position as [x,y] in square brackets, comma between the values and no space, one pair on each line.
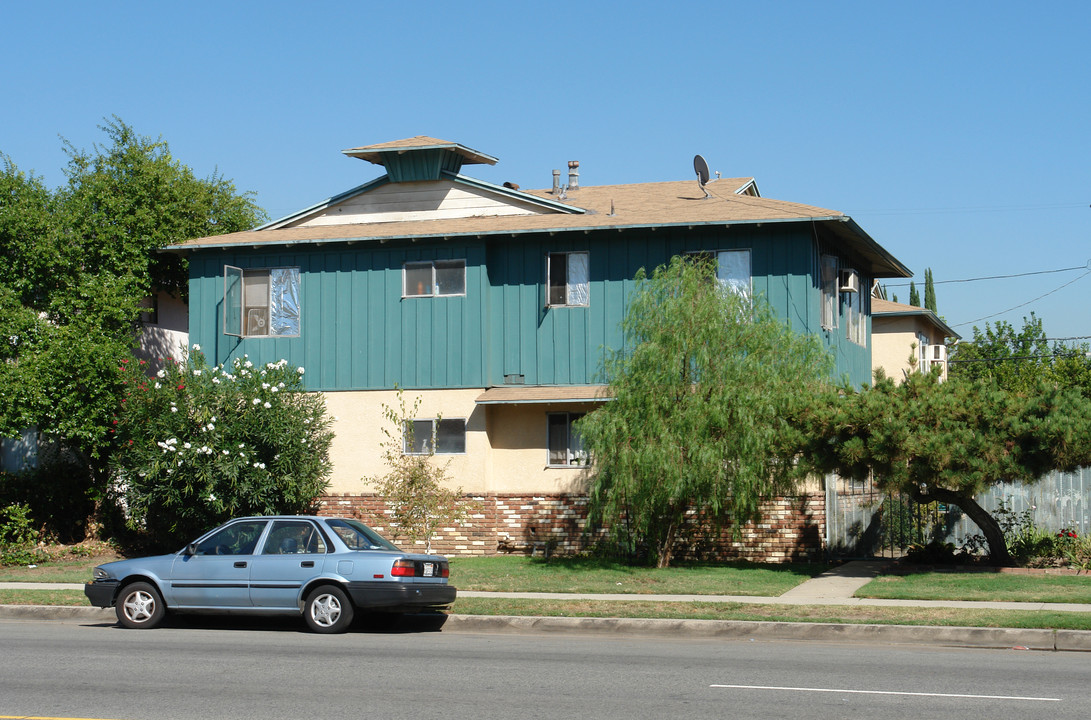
[191,549]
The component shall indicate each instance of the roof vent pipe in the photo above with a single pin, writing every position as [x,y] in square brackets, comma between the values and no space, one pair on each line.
[556,182]
[573,174]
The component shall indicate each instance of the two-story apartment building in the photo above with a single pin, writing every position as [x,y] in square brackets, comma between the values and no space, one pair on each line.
[494,305]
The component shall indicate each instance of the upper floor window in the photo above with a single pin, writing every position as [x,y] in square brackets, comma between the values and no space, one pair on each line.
[855,320]
[434,278]
[568,279]
[732,269]
[828,283]
[441,436]
[261,303]
[564,442]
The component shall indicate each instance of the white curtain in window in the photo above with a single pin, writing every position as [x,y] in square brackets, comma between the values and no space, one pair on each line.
[579,278]
[284,301]
[733,271]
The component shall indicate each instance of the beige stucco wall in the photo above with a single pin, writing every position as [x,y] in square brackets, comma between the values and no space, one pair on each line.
[894,340]
[514,461]
[356,452]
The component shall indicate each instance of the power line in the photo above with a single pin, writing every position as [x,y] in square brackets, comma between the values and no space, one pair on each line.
[1028,302]
[999,277]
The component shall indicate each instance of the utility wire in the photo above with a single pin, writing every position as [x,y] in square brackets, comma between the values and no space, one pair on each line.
[999,277]
[1028,302]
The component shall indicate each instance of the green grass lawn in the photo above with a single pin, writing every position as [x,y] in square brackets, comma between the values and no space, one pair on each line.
[512,573]
[1000,587]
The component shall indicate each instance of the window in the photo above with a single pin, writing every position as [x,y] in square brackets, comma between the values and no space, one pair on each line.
[291,537]
[568,279]
[564,442]
[261,303]
[922,352]
[732,269]
[855,322]
[235,539]
[449,437]
[829,291]
[434,279]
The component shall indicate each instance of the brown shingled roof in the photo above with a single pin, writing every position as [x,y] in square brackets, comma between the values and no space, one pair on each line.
[609,206]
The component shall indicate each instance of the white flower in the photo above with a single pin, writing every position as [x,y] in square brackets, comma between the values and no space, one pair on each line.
[225,452]
[173,409]
[265,386]
[300,370]
[248,364]
[196,347]
[255,401]
[196,372]
[157,386]
[267,406]
[275,389]
[215,381]
[187,446]
[242,445]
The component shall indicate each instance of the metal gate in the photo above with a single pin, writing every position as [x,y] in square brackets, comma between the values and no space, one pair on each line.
[863,522]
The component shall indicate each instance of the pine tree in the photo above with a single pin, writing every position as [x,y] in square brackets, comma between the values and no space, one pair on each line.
[914,296]
[929,292]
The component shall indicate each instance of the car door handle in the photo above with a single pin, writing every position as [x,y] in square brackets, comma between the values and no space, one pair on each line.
[240,564]
[307,563]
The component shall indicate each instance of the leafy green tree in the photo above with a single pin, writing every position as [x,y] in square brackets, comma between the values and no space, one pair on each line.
[1019,360]
[696,419]
[198,445]
[914,295]
[78,260]
[946,441]
[416,488]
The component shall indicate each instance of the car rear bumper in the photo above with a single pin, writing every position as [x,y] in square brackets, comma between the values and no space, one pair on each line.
[400,596]
[101,593]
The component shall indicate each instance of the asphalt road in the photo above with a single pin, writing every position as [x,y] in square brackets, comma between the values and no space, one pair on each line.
[205,669]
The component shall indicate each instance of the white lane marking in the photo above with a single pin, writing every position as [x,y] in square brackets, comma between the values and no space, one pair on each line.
[887,692]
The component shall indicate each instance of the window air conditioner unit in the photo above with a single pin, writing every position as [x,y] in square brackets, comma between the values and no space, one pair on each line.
[849,281]
[937,353]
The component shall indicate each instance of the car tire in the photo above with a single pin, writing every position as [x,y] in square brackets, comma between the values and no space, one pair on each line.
[328,610]
[139,606]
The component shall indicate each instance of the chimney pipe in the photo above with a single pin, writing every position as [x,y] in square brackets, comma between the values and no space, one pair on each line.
[556,182]
[573,174]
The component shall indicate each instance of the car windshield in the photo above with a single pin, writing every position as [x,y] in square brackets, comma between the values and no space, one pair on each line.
[358,536]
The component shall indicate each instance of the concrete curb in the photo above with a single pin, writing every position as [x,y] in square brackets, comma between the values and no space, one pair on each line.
[1023,639]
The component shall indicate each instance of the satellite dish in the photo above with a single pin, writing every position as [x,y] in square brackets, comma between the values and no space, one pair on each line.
[701,168]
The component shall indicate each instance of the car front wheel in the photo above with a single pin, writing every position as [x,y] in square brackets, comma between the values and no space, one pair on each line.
[328,610]
[139,606]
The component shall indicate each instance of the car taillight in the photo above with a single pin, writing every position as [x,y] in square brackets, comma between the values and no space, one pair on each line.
[403,568]
[444,570]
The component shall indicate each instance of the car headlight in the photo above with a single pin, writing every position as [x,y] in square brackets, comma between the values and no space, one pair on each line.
[101,574]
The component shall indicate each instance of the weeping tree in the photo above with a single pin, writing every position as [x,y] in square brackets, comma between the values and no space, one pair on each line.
[946,441]
[696,420]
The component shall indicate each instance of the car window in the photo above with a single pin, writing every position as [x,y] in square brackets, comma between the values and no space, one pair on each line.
[358,536]
[236,539]
[291,537]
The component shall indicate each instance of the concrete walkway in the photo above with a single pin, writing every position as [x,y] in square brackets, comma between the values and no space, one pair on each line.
[836,586]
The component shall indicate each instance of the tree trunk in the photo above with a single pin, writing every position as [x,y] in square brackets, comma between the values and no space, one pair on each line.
[666,548]
[994,536]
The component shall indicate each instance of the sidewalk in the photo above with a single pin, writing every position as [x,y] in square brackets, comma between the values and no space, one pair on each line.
[834,587]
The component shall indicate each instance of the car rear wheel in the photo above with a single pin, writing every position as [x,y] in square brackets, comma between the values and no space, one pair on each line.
[328,610]
[139,606]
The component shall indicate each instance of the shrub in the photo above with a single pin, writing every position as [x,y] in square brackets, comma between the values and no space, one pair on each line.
[18,536]
[198,445]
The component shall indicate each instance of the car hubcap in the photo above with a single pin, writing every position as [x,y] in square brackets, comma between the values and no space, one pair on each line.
[139,606]
[325,610]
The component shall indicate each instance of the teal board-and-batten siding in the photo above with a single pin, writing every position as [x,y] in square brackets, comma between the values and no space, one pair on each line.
[359,333]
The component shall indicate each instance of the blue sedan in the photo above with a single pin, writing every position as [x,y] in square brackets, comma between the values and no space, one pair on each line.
[320,567]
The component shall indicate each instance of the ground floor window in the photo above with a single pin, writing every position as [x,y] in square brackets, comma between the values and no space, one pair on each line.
[447,437]
[564,442]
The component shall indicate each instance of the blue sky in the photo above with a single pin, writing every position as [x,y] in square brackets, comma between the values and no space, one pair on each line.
[955,133]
